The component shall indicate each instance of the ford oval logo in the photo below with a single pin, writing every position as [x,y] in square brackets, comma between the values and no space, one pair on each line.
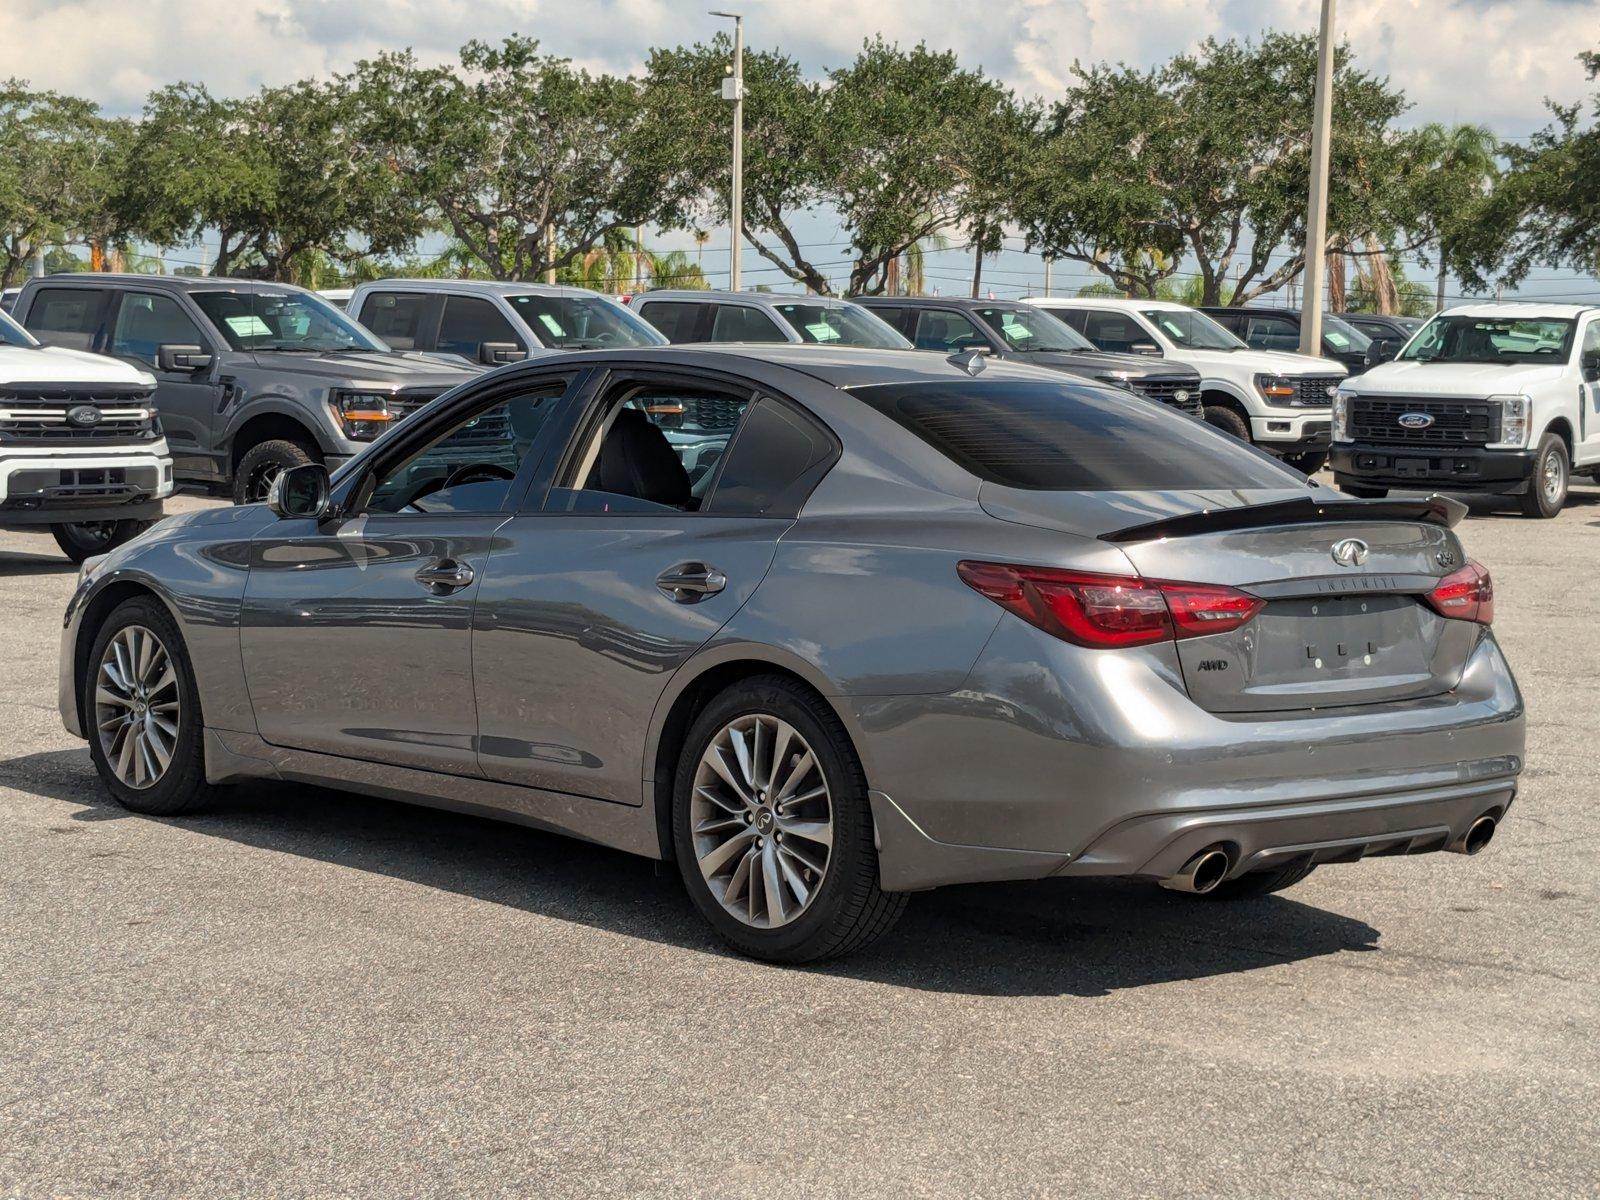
[84,416]
[1415,420]
[1351,552]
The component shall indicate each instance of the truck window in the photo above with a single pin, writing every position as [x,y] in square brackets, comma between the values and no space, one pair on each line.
[742,323]
[946,330]
[1113,331]
[69,317]
[396,317]
[469,322]
[146,322]
[679,321]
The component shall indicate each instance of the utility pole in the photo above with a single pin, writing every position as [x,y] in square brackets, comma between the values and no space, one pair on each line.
[550,251]
[733,89]
[977,265]
[1047,263]
[38,258]
[1317,205]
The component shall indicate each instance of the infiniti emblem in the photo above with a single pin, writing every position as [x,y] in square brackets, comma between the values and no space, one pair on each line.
[1351,552]
[1414,420]
[1446,557]
[83,415]
[764,820]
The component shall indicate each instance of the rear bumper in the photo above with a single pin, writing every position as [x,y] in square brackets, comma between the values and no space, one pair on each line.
[1462,470]
[1030,772]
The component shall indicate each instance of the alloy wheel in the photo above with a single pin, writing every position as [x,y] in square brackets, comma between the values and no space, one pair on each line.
[136,706]
[259,485]
[762,820]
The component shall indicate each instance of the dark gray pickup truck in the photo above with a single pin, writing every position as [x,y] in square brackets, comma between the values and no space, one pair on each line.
[251,377]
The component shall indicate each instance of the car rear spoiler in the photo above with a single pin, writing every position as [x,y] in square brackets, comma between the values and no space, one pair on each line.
[1434,510]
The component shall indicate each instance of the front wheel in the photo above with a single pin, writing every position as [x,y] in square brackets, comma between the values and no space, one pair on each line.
[261,464]
[1552,476]
[85,539]
[772,828]
[1229,421]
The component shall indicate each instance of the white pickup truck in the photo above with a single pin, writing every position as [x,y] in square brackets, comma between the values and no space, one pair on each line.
[1275,400]
[81,447]
[1498,398]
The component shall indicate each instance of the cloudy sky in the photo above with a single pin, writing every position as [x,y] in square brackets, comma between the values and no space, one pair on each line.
[1489,61]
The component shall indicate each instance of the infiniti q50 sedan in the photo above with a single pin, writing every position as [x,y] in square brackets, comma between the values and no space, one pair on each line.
[824,627]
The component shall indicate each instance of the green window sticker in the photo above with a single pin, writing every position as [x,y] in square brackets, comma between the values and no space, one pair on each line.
[823,332]
[248,326]
[552,325]
[1014,329]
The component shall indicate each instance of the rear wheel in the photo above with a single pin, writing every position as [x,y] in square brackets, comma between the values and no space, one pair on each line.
[142,712]
[85,539]
[1260,883]
[1228,420]
[264,462]
[1552,476]
[1363,493]
[772,828]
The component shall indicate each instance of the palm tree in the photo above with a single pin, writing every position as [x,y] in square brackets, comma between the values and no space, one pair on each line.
[1460,161]
[701,237]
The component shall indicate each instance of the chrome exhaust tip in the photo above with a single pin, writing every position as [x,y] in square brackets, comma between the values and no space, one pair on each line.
[1478,835]
[1202,873]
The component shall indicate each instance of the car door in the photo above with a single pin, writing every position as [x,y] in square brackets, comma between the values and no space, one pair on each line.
[188,400]
[356,631]
[663,518]
[1586,448]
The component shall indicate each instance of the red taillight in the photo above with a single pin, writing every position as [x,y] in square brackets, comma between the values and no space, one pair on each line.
[1465,595]
[1109,610]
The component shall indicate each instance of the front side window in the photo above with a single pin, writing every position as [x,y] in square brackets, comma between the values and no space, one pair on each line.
[1503,340]
[1272,333]
[1050,436]
[146,322]
[744,323]
[285,321]
[947,330]
[582,322]
[12,334]
[840,325]
[470,467]
[468,322]
[69,317]
[396,317]
[1024,328]
[1114,331]
[678,321]
[1191,330]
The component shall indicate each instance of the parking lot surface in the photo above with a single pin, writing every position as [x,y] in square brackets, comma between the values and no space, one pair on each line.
[309,993]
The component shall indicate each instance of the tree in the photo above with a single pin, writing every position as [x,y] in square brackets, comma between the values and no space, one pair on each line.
[1454,170]
[1208,157]
[528,162]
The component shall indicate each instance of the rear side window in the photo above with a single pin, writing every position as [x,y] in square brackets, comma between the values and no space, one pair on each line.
[69,317]
[677,321]
[741,323]
[776,461]
[469,322]
[396,317]
[1059,437]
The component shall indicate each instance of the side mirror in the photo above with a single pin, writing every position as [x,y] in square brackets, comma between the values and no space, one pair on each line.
[496,354]
[1589,364]
[1149,348]
[300,492]
[1382,350]
[182,358]
[972,346]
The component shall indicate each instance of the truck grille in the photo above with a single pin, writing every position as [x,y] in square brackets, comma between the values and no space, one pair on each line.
[1164,389]
[1315,391]
[1455,422]
[37,414]
[409,400]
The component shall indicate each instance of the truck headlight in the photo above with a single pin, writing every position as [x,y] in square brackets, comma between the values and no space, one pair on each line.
[363,415]
[1515,412]
[1341,415]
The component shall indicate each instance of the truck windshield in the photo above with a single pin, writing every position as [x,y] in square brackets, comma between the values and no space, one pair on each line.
[582,322]
[1191,330]
[12,334]
[1025,328]
[288,321]
[1491,340]
[840,325]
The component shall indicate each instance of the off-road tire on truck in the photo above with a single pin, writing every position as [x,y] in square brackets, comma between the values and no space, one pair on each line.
[88,538]
[264,462]
[1227,420]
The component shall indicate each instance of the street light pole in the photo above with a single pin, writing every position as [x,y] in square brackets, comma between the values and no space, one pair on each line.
[733,89]
[1317,204]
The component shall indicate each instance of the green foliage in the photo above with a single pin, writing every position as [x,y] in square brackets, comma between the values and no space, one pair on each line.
[1414,297]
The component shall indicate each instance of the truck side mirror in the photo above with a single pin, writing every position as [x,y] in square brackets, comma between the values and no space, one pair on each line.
[1149,348]
[1382,350]
[497,354]
[1589,364]
[181,359]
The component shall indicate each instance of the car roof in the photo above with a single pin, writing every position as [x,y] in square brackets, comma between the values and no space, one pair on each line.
[503,287]
[171,283]
[1512,309]
[756,299]
[1272,310]
[1105,302]
[957,302]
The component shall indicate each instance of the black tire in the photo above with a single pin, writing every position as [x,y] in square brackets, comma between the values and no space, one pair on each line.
[1361,492]
[1260,883]
[88,538]
[1228,420]
[848,910]
[1550,481]
[260,465]
[182,788]
[1309,463]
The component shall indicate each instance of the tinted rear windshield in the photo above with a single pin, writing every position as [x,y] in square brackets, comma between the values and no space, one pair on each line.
[1063,437]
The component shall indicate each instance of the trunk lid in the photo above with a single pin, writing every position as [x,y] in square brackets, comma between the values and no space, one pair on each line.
[1332,632]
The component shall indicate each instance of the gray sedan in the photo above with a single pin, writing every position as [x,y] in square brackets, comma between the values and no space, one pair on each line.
[824,627]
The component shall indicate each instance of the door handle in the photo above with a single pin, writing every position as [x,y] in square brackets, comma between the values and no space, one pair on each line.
[446,575]
[689,582]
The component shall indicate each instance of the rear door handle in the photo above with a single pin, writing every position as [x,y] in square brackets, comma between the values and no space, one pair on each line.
[446,575]
[688,582]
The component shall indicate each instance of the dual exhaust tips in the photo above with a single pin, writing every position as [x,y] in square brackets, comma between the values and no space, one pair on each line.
[1206,871]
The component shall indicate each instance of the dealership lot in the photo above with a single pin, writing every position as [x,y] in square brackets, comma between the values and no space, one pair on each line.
[308,993]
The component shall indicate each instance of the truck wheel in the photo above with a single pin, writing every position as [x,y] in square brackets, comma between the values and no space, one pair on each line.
[261,464]
[1228,421]
[1309,463]
[1363,493]
[85,539]
[1552,475]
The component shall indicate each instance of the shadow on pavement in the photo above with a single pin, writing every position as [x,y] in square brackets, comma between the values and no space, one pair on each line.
[1049,937]
[16,566]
